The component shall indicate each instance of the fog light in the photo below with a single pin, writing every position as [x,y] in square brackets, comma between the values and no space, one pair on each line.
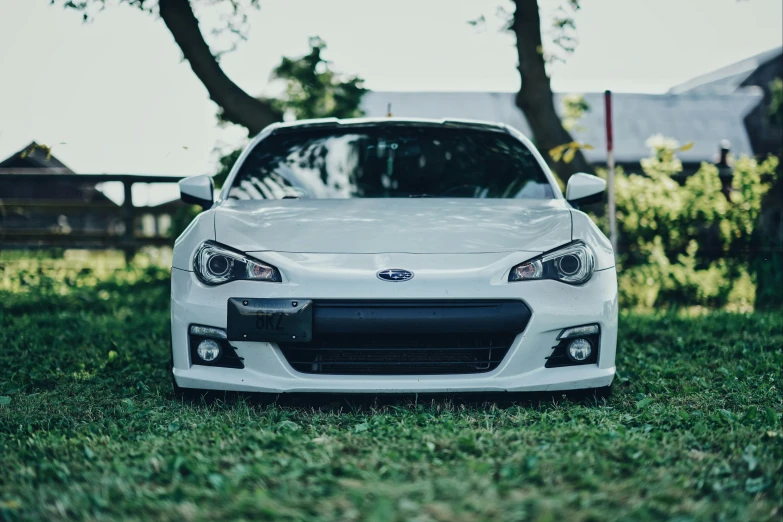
[578,350]
[208,350]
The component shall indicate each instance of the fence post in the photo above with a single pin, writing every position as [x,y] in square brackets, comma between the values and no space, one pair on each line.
[610,164]
[127,216]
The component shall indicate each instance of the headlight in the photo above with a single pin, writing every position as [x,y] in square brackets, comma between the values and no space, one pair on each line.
[216,264]
[573,264]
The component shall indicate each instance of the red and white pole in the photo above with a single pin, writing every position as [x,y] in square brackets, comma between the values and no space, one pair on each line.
[610,165]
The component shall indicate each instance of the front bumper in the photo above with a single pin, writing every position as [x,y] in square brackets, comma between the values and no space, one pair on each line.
[554,306]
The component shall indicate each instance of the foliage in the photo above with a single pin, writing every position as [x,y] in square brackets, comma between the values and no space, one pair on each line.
[315,90]
[89,429]
[776,102]
[226,21]
[567,151]
[559,33]
[226,163]
[687,244]
[574,108]
[563,31]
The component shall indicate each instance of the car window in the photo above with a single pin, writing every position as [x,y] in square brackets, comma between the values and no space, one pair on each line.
[386,161]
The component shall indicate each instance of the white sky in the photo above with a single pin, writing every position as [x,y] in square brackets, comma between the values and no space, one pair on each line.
[114,96]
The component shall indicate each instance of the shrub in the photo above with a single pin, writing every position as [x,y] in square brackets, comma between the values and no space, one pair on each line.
[688,244]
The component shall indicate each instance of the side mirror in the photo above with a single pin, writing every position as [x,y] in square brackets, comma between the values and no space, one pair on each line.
[197,190]
[584,188]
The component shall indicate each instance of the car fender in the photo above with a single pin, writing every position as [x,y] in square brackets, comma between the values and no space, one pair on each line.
[583,228]
[200,229]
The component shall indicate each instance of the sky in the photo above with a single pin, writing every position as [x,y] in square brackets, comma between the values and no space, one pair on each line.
[113,95]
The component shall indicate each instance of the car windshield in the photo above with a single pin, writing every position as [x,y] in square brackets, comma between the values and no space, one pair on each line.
[390,161]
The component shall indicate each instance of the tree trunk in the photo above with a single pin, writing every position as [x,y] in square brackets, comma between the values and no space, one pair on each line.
[237,106]
[535,96]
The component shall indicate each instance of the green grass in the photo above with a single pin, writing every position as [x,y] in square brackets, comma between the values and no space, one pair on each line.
[89,428]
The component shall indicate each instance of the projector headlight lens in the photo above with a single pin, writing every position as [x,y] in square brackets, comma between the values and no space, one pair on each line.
[573,264]
[215,264]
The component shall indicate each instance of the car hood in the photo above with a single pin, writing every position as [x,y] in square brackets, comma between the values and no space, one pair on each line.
[371,226]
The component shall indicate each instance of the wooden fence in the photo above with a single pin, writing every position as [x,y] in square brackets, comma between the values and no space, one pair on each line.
[113,226]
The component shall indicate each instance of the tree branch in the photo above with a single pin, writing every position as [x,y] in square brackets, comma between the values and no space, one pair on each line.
[237,106]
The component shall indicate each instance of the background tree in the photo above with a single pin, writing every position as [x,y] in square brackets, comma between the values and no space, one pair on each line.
[535,97]
[235,105]
[313,90]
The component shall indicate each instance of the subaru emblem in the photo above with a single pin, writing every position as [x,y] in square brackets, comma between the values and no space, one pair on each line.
[395,275]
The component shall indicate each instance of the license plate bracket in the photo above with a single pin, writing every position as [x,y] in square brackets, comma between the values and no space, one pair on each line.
[270,320]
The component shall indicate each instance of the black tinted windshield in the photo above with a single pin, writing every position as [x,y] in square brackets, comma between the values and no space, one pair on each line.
[385,161]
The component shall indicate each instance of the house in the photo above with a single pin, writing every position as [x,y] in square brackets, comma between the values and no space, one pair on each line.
[726,105]
[54,206]
[754,74]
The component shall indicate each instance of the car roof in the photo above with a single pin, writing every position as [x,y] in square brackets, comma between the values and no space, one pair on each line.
[415,122]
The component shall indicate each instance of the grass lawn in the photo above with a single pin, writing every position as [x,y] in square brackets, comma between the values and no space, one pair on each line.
[89,428]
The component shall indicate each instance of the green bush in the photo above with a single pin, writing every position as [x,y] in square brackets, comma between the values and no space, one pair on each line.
[687,244]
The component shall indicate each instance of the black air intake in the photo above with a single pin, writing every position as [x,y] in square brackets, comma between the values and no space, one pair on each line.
[421,337]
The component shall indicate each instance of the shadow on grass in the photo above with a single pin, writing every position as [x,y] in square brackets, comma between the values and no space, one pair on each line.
[334,402]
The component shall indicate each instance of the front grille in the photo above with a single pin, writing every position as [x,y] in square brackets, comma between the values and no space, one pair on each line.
[408,337]
[399,354]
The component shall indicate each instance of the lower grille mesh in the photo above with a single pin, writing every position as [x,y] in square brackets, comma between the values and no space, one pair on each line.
[400,354]
[342,344]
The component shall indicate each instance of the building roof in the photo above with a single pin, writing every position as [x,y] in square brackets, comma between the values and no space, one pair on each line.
[704,119]
[35,159]
[33,156]
[726,79]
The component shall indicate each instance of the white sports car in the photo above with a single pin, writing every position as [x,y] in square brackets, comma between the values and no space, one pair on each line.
[392,255]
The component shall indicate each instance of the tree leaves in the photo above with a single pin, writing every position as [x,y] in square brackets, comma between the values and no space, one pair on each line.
[315,90]
[567,151]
